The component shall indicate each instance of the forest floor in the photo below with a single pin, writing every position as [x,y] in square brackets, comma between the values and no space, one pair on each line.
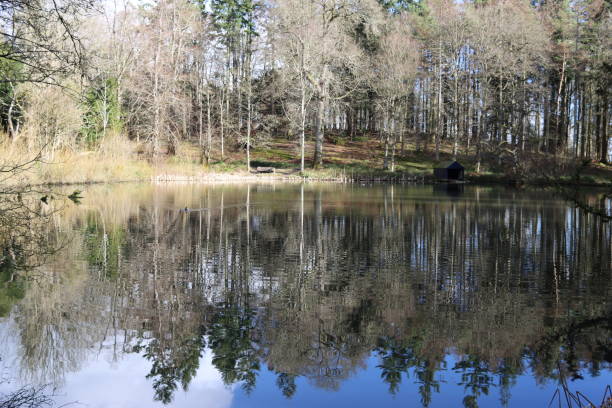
[344,160]
[363,160]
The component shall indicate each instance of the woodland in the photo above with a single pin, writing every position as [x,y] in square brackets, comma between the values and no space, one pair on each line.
[118,90]
[514,86]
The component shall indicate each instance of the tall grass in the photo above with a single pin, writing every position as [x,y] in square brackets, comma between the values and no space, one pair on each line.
[114,160]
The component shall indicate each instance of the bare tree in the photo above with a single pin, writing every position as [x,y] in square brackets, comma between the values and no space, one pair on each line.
[393,72]
[43,37]
[159,80]
[323,50]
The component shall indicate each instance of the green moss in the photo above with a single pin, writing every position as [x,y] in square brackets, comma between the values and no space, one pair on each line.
[227,166]
[270,154]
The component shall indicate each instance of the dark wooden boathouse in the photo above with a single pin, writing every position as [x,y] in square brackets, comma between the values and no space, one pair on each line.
[449,171]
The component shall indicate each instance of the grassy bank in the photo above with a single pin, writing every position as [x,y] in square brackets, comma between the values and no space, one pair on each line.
[345,160]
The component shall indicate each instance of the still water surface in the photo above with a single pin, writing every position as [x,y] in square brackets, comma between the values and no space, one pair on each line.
[311,295]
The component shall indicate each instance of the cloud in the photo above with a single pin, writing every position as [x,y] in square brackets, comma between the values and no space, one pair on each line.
[123,384]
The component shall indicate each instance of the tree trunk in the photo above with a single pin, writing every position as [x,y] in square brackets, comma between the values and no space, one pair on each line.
[386,160]
[249,117]
[208,127]
[318,154]
[605,139]
[302,126]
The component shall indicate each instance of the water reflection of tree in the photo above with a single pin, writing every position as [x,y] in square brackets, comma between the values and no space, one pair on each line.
[58,320]
[167,304]
[25,240]
[29,243]
[309,283]
[230,342]
[172,364]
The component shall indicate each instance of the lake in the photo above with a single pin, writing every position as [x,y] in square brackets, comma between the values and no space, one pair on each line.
[301,295]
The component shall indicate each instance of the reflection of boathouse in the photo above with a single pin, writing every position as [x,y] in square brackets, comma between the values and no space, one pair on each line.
[448,189]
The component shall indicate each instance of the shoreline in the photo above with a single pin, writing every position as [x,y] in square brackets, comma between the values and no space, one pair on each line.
[277,163]
[343,177]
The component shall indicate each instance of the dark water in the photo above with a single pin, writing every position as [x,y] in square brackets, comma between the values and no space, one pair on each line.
[310,295]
